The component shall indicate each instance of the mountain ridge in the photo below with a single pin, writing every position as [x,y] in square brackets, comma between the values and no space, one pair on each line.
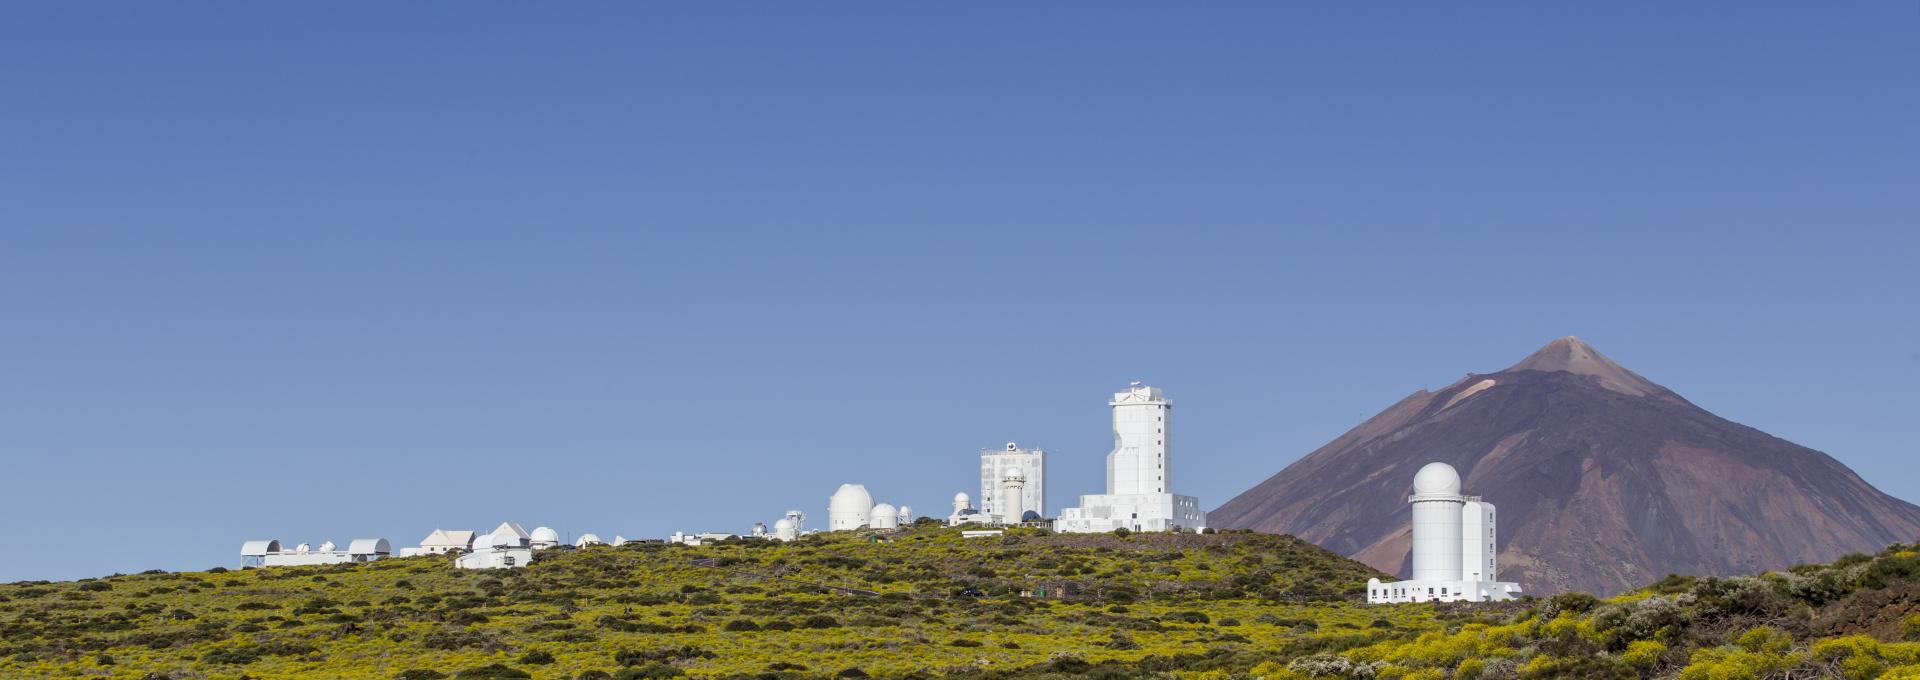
[1604,480]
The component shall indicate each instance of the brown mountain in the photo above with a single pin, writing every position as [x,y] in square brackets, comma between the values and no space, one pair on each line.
[1604,480]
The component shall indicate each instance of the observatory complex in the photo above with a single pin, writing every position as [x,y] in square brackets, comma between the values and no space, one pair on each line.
[269,553]
[1454,555]
[1013,484]
[1139,473]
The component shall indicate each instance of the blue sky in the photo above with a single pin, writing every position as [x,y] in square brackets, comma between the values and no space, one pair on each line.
[316,271]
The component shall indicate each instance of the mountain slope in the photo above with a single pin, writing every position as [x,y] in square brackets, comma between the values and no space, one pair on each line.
[915,601]
[1604,480]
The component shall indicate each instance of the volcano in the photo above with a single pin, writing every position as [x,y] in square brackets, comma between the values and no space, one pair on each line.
[1605,481]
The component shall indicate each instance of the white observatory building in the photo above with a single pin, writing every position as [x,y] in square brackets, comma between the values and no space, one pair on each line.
[1139,473]
[995,465]
[963,511]
[269,553]
[508,547]
[1453,546]
[850,507]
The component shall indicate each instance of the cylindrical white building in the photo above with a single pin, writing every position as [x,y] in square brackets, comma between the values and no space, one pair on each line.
[883,516]
[849,508]
[961,502]
[1013,496]
[906,515]
[785,530]
[1437,537]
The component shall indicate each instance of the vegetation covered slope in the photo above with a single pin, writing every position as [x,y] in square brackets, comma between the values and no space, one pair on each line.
[930,604]
[939,603]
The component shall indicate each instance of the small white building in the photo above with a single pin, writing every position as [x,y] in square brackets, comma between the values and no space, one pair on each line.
[543,538]
[508,547]
[268,553]
[1139,473]
[698,539]
[441,542]
[588,540]
[1454,550]
[963,511]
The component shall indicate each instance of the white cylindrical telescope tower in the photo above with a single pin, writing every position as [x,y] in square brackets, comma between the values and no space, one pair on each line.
[1013,496]
[849,508]
[1437,537]
[961,502]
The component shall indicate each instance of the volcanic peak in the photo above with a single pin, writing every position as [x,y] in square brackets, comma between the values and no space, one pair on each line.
[1572,355]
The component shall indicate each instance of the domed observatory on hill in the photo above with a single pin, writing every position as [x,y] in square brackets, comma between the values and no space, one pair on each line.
[963,511]
[1139,473]
[1454,553]
[850,507]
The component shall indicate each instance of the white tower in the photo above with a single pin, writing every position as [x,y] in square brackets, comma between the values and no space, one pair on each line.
[1477,545]
[784,529]
[1139,473]
[1437,540]
[1142,426]
[906,515]
[961,503]
[850,508]
[1454,548]
[1013,496]
[994,464]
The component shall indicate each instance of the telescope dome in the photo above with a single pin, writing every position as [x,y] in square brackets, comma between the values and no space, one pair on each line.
[1438,479]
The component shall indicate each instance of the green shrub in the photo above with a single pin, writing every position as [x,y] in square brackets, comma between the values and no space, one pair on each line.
[537,658]
[492,671]
[1643,653]
[420,674]
[653,672]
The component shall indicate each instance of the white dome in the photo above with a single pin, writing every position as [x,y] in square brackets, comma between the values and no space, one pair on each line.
[849,508]
[587,540]
[545,535]
[783,523]
[884,516]
[327,546]
[962,497]
[1437,479]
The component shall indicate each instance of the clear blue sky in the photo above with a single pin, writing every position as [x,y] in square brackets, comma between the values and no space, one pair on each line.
[324,270]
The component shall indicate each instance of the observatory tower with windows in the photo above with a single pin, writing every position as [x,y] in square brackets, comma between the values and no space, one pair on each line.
[1139,473]
[1453,546]
[996,465]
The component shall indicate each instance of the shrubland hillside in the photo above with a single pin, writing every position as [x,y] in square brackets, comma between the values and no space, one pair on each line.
[924,603]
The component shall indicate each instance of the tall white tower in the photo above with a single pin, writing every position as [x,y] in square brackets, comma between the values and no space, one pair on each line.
[1455,555]
[994,464]
[1013,496]
[1437,536]
[1142,428]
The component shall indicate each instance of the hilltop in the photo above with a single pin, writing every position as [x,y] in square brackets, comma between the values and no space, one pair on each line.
[924,603]
[920,600]
[1604,481]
